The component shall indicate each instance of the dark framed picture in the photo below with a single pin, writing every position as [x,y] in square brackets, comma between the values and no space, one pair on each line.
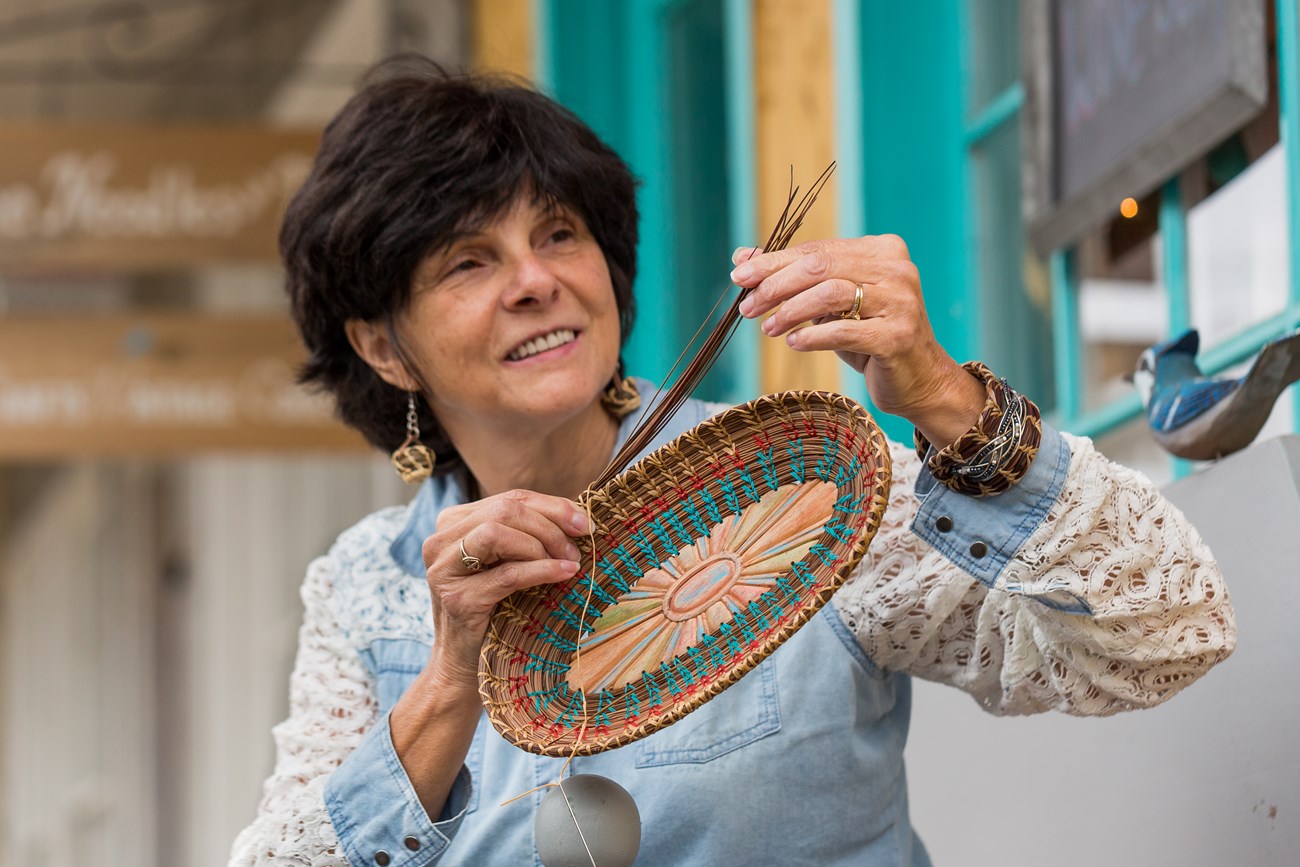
[1122,94]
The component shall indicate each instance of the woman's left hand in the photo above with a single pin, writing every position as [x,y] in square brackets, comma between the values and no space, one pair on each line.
[892,344]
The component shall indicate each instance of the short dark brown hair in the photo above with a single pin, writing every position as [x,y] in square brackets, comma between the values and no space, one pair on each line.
[416,157]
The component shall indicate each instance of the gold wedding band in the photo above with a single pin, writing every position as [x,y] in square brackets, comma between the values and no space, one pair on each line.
[854,312]
[473,564]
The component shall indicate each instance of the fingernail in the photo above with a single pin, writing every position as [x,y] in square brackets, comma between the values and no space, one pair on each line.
[580,524]
[747,306]
[568,567]
[741,274]
[790,338]
[769,325]
[572,551]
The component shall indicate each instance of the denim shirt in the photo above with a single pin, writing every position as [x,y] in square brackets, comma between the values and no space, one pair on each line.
[800,762]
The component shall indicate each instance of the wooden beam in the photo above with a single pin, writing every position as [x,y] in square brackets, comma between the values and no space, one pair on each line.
[502,36]
[794,88]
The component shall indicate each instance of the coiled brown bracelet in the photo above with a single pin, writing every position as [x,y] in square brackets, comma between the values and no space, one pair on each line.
[996,453]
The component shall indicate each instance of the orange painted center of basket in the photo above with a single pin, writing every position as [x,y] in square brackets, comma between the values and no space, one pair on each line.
[707,583]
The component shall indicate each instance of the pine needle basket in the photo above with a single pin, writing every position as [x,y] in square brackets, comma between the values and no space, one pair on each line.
[710,552]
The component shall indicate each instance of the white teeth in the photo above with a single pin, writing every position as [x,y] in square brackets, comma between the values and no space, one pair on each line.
[543,343]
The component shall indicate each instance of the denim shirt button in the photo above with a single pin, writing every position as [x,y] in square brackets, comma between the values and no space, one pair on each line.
[978,550]
[412,844]
[381,858]
[943,524]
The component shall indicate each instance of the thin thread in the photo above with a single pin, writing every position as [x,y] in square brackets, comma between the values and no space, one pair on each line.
[577,658]
[581,836]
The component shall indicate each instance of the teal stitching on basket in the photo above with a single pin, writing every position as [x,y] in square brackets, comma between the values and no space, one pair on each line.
[746,628]
[716,654]
[556,640]
[675,521]
[728,636]
[839,531]
[542,697]
[612,573]
[768,463]
[570,714]
[633,703]
[729,494]
[805,575]
[652,693]
[827,461]
[787,589]
[647,550]
[773,600]
[683,671]
[824,554]
[693,512]
[845,475]
[671,545]
[798,471]
[602,708]
[747,484]
[598,593]
[759,617]
[547,666]
[697,657]
[850,503]
[627,560]
[573,618]
[674,688]
[711,506]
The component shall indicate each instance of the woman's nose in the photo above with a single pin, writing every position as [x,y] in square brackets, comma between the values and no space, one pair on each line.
[534,284]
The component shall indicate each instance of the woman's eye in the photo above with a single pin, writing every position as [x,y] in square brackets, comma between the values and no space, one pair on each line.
[562,233]
[462,266]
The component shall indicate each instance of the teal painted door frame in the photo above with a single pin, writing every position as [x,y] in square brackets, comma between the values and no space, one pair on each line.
[649,76]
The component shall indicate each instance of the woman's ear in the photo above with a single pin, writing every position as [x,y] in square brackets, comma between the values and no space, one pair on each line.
[372,341]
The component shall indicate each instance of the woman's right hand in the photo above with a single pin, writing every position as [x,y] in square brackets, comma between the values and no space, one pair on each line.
[523,540]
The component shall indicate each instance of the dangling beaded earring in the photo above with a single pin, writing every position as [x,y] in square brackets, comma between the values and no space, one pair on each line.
[413,459]
[620,398]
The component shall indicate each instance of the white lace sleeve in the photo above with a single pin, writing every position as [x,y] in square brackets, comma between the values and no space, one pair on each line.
[330,708]
[1149,611]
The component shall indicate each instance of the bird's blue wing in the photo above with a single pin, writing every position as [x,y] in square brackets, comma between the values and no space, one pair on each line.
[1177,405]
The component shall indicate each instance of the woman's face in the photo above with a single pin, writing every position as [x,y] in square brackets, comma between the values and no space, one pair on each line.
[514,322]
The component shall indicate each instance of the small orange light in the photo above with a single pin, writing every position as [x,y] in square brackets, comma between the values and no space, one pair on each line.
[1128,209]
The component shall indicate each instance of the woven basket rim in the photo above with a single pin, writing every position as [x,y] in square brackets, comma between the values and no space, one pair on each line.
[713,430]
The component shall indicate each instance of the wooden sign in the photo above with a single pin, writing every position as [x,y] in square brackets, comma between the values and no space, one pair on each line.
[148,385]
[137,198]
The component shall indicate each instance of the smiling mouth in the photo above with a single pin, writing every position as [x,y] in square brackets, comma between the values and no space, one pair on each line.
[554,339]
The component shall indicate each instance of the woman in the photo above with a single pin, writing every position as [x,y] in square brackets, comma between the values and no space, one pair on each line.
[465,249]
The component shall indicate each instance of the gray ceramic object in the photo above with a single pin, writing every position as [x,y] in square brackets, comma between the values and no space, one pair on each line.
[606,814]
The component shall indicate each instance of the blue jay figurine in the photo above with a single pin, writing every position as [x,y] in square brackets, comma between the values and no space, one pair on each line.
[1200,418]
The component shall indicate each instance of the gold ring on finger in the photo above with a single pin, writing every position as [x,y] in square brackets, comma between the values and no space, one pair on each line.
[471,563]
[854,312]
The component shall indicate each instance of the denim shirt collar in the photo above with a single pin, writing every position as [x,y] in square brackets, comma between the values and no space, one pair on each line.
[452,489]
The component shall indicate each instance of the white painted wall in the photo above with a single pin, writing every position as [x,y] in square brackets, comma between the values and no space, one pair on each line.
[76,647]
[1211,778]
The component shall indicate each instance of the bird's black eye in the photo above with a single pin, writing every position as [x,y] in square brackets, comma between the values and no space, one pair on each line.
[1144,364]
